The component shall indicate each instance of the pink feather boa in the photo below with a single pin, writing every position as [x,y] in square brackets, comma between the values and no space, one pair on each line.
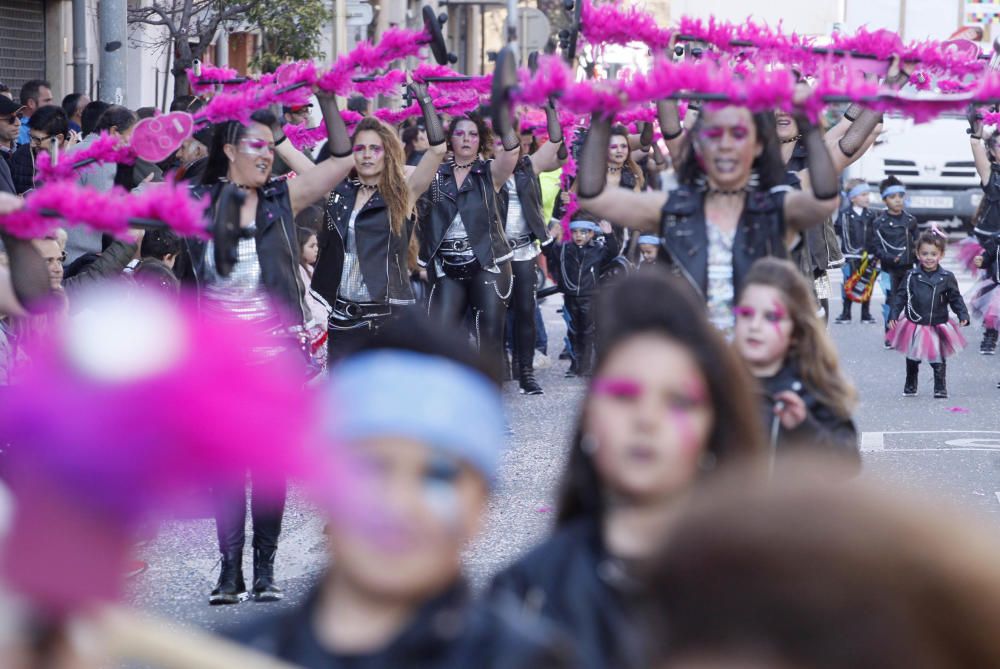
[613,23]
[210,76]
[60,202]
[104,149]
[395,43]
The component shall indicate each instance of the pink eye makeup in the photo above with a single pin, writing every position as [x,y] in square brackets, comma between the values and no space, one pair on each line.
[618,388]
[375,149]
[744,312]
[737,132]
[256,147]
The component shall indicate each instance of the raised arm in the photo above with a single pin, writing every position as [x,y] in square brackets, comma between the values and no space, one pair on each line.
[668,113]
[549,157]
[820,192]
[419,180]
[320,180]
[639,211]
[506,159]
[979,151]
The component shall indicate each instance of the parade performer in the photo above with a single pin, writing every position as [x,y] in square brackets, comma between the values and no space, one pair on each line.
[895,232]
[577,266]
[669,404]
[918,318]
[723,216]
[986,153]
[806,399]
[363,270]
[264,288]
[984,301]
[854,227]
[463,243]
[394,595]
[521,207]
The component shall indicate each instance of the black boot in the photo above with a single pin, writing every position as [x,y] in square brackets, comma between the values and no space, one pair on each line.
[529,386]
[845,314]
[264,589]
[866,313]
[912,373]
[231,588]
[989,343]
[940,383]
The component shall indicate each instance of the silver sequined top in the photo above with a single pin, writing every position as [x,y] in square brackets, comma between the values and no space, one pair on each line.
[517,226]
[721,294]
[240,294]
[352,282]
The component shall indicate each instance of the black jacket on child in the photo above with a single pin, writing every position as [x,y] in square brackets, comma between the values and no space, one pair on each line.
[924,297]
[856,232]
[822,431]
[448,632]
[894,238]
[577,268]
[571,580]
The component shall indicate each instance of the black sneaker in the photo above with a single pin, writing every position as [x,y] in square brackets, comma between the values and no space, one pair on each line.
[886,345]
[868,320]
[529,386]
[842,319]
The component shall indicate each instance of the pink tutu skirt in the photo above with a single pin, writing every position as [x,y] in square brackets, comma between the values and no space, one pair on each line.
[930,343]
[984,303]
[968,249]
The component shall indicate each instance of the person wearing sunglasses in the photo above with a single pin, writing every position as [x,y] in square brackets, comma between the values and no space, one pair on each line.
[10,127]
[363,270]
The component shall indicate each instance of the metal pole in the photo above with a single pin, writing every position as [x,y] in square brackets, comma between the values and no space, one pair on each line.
[512,23]
[80,46]
[111,18]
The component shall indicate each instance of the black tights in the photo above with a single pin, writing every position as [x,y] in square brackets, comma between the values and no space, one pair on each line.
[267,506]
[523,306]
[487,294]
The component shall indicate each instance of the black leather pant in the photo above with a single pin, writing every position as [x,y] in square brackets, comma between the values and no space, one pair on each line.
[581,313]
[267,506]
[487,293]
[523,305]
[344,337]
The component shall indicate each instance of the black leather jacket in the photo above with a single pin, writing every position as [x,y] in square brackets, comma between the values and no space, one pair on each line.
[856,232]
[924,297]
[822,430]
[448,632]
[988,223]
[477,202]
[277,249]
[529,192]
[571,580]
[382,254]
[760,233]
[894,237]
[577,268]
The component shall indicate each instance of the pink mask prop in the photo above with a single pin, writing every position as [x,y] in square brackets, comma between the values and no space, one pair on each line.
[156,139]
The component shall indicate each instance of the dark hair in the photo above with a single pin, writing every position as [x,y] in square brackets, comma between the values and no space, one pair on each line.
[302,235]
[70,103]
[30,90]
[991,143]
[145,112]
[358,104]
[186,103]
[91,114]
[932,238]
[160,243]
[311,218]
[655,303]
[116,116]
[485,132]
[888,181]
[229,132]
[769,166]
[804,570]
[51,120]
[410,133]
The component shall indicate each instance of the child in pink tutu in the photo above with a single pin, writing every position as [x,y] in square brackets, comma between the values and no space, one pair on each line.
[984,298]
[919,326]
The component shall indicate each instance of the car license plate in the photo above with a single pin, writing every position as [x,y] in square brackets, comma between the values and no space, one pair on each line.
[931,202]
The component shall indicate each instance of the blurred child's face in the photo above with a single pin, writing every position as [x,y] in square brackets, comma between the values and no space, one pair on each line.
[648,252]
[310,251]
[894,203]
[929,256]
[650,414]
[763,332]
[582,237]
[429,507]
[860,200]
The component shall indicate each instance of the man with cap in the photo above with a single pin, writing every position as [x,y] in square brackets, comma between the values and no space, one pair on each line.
[576,267]
[423,418]
[10,128]
[296,115]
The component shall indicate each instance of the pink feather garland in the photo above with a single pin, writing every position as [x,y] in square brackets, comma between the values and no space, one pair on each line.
[210,77]
[105,149]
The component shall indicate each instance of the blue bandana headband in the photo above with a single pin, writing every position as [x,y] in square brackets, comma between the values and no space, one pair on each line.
[860,189]
[649,239]
[893,190]
[438,402]
[584,225]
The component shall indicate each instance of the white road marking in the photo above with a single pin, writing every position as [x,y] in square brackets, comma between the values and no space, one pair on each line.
[998,496]
[875,441]
[872,441]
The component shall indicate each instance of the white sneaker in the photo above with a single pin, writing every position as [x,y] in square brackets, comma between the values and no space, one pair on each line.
[542,361]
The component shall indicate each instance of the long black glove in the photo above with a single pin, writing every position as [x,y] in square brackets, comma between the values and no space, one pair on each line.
[668,112]
[975,122]
[858,133]
[555,130]
[822,173]
[432,122]
[645,136]
[28,274]
[505,127]
[336,130]
[592,170]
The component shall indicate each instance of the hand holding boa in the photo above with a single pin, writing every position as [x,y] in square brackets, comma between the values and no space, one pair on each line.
[105,149]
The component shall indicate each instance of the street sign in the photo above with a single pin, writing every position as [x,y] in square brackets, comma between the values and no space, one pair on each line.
[534,29]
[358,13]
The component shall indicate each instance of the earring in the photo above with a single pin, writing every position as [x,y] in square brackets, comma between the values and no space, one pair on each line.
[588,444]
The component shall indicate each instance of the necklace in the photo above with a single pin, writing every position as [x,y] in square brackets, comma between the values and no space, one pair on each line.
[613,170]
[791,139]
[365,188]
[226,180]
[729,193]
[455,165]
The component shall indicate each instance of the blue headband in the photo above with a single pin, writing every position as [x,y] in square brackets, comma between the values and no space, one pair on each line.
[860,189]
[438,402]
[584,225]
[892,190]
[649,239]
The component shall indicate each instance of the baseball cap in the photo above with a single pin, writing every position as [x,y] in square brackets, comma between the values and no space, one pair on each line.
[8,106]
[297,108]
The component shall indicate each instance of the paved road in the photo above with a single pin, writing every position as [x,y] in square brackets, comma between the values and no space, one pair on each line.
[950,447]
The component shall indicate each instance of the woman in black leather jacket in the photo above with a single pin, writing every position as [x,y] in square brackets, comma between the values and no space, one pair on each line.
[257,279]
[669,404]
[362,270]
[463,244]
